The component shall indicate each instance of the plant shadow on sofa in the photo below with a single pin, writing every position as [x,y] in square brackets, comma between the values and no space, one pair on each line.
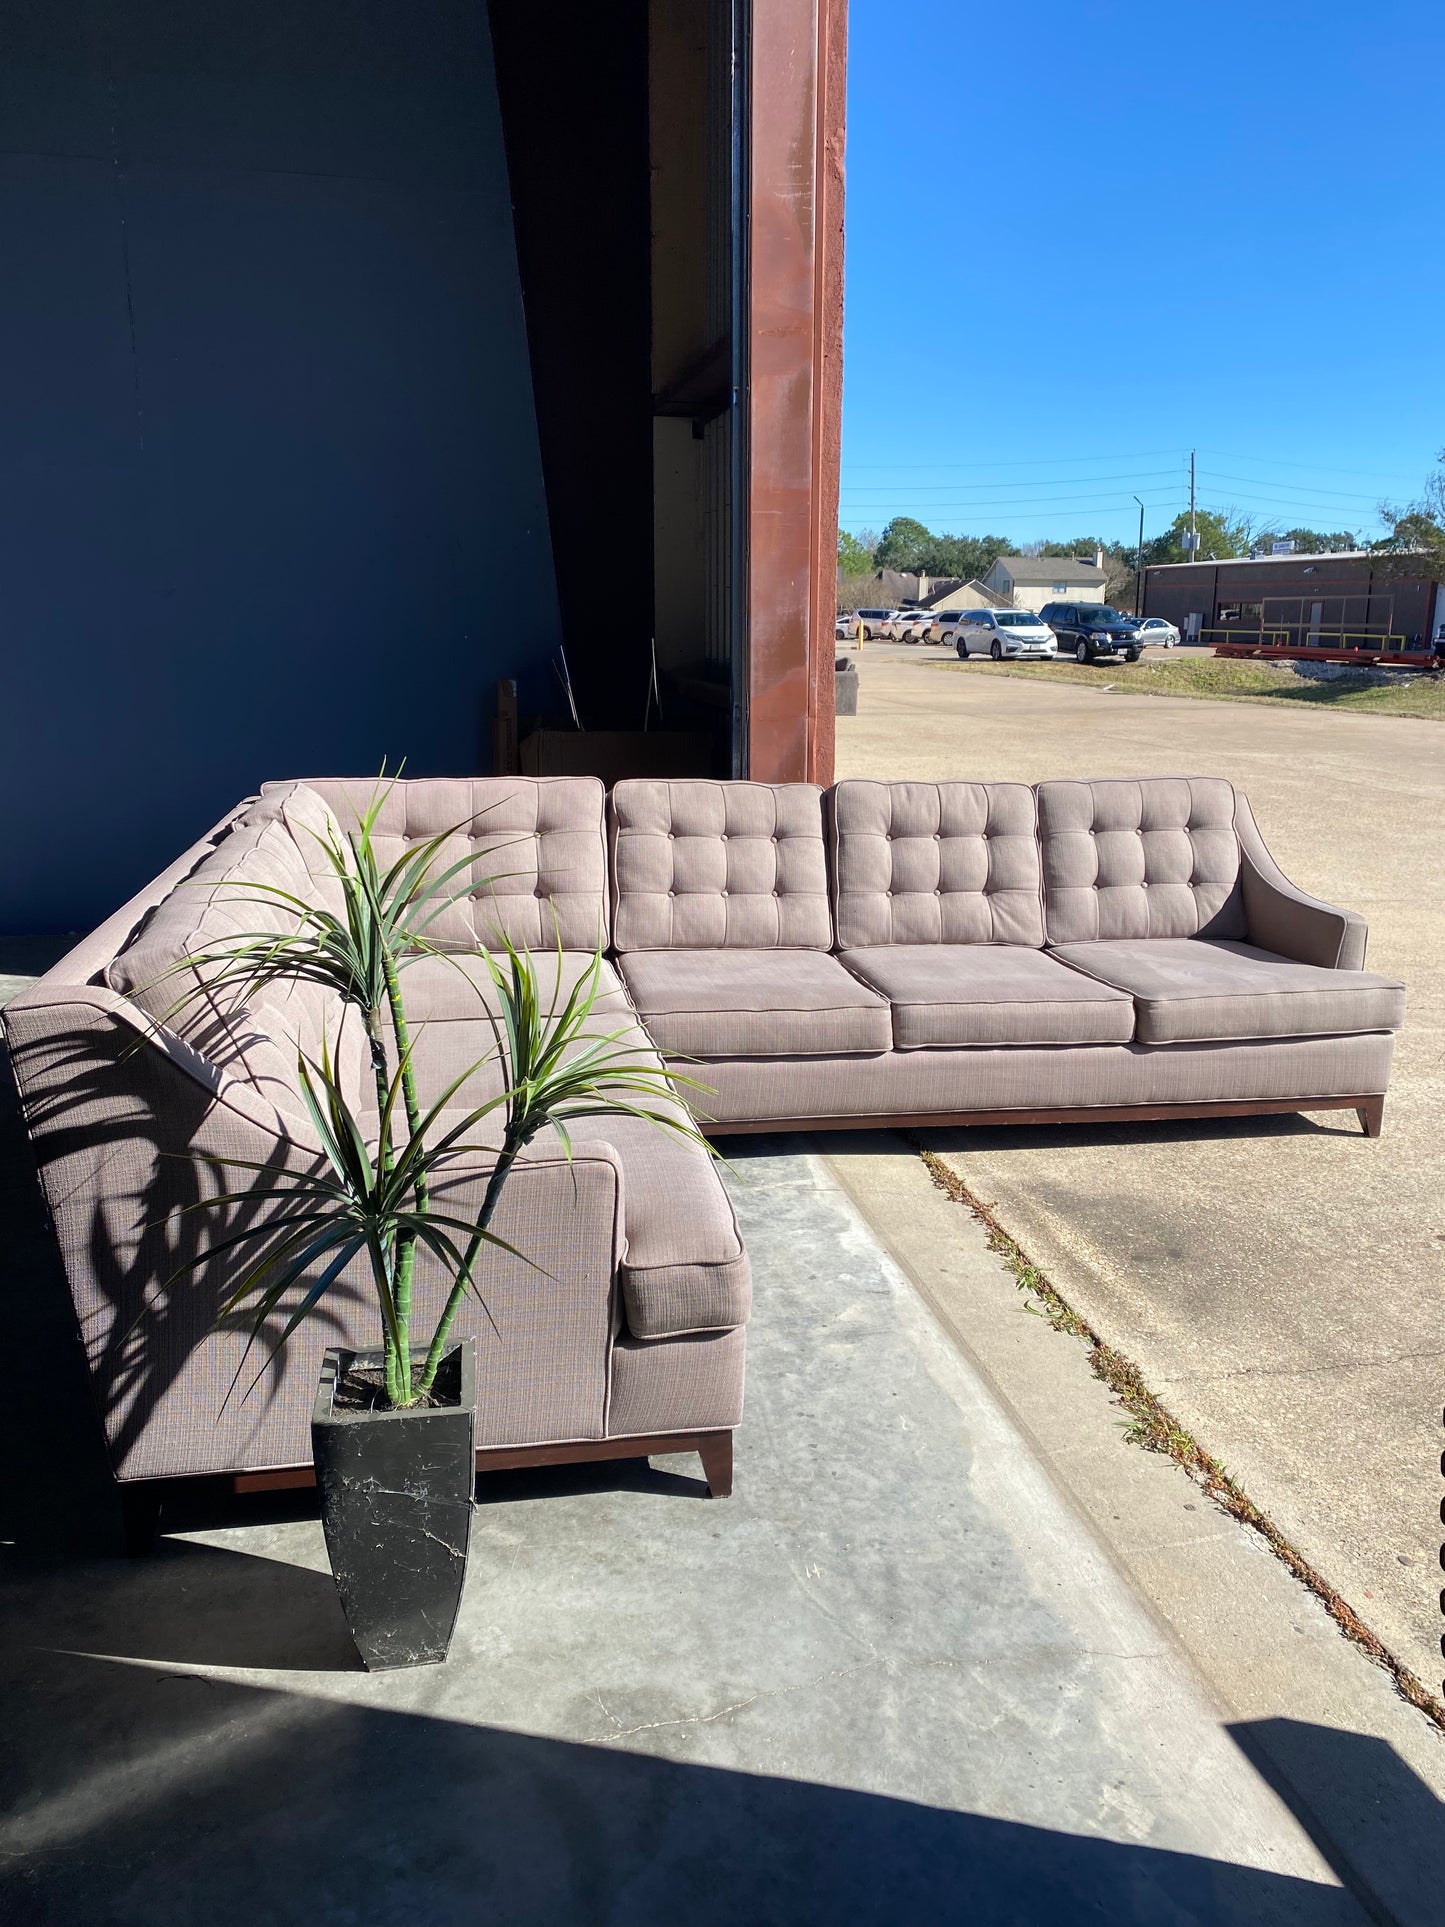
[59,1497]
[159,1800]
[139,1234]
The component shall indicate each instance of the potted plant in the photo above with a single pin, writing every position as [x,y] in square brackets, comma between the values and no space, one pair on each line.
[392,1428]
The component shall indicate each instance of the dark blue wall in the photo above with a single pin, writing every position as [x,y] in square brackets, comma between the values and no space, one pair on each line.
[270,494]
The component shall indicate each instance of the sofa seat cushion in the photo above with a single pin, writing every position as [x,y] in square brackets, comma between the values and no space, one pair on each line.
[459,985]
[755,1003]
[972,994]
[1190,990]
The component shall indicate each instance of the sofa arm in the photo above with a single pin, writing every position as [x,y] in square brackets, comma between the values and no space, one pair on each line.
[1281,918]
[126,1131]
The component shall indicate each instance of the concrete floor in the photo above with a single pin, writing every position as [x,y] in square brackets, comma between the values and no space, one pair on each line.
[1280,1282]
[895,1678]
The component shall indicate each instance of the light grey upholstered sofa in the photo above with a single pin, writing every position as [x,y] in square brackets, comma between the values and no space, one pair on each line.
[979,952]
[987,952]
[625,1332]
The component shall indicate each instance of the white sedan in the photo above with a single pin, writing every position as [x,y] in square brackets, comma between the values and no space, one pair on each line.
[910,625]
[1156,630]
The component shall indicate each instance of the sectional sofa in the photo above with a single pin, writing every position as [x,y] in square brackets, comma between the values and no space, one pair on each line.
[935,953]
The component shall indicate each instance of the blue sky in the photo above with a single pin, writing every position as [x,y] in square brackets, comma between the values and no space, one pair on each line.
[1220,228]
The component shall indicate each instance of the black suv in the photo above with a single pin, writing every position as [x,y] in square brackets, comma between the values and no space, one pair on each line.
[1089,629]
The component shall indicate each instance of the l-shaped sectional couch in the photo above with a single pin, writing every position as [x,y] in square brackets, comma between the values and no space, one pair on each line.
[879,953]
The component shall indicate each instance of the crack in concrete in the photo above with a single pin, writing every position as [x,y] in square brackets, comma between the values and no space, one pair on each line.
[621,1732]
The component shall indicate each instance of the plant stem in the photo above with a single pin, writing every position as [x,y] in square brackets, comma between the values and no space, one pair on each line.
[398,1358]
[510,1147]
[406,1241]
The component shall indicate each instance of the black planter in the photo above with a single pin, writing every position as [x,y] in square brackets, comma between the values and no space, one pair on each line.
[396,1503]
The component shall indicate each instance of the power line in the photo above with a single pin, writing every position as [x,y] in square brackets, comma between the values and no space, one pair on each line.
[1038,461]
[1254,481]
[1084,503]
[1060,481]
[1273,461]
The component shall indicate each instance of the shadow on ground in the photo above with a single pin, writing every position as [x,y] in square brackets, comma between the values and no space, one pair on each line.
[136,1796]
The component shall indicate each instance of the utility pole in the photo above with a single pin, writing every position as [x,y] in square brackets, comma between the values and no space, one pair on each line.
[1139,560]
[1193,531]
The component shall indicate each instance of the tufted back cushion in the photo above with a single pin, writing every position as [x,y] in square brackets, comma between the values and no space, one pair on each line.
[229,897]
[936,863]
[719,866]
[537,844]
[1156,857]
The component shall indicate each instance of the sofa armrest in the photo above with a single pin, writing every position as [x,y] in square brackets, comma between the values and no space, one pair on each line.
[127,1129]
[1282,918]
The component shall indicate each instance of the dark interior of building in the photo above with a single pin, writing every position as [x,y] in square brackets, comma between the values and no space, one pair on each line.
[355,360]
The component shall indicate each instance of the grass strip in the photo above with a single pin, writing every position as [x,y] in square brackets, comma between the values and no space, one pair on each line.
[1154,1427]
[1233,680]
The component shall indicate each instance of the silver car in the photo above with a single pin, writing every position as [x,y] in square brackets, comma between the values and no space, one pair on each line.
[1001,633]
[1156,630]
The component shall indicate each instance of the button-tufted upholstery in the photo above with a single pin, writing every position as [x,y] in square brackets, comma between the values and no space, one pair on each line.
[540,851]
[232,896]
[938,863]
[1156,857]
[719,866]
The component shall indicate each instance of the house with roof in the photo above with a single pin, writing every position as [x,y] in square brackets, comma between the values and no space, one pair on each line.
[1029,581]
[966,595]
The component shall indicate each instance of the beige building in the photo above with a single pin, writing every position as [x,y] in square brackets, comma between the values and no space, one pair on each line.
[1029,581]
[968,595]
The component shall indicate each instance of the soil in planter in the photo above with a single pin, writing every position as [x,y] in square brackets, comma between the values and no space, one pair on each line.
[363,1389]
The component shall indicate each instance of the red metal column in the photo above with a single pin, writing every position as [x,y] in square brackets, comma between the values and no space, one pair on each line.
[798,53]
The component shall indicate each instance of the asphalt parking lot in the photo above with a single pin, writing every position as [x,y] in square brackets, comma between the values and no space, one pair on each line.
[1280,1282]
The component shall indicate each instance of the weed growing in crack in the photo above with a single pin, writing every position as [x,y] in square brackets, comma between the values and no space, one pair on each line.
[1153,1426]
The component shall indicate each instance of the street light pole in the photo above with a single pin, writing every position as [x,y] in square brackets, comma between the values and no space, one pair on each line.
[1139,560]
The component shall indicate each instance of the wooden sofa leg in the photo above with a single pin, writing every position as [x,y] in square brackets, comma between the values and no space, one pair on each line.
[1371,1115]
[140,1510]
[716,1454]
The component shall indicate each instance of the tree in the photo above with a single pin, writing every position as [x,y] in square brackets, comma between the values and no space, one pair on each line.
[1312,542]
[1415,544]
[967,556]
[903,545]
[854,558]
[1222,534]
[908,546]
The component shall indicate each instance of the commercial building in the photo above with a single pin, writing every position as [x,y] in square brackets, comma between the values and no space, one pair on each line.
[356,362]
[1349,606]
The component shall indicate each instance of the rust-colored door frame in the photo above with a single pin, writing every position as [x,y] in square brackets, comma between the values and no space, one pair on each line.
[793,303]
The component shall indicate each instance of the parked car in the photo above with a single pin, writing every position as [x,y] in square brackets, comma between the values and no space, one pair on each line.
[845,629]
[1088,630]
[912,625]
[1001,633]
[1155,629]
[872,621]
[945,622]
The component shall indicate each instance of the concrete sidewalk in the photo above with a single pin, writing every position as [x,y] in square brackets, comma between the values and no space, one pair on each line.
[895,1678]
[1280,1283]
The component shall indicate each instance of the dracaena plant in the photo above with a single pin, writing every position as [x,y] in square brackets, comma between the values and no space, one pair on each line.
[375,1200]
[385,921]
[372,1199]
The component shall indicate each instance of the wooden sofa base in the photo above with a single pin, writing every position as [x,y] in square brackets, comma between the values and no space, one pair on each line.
[1369,1110]
[141,1499]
